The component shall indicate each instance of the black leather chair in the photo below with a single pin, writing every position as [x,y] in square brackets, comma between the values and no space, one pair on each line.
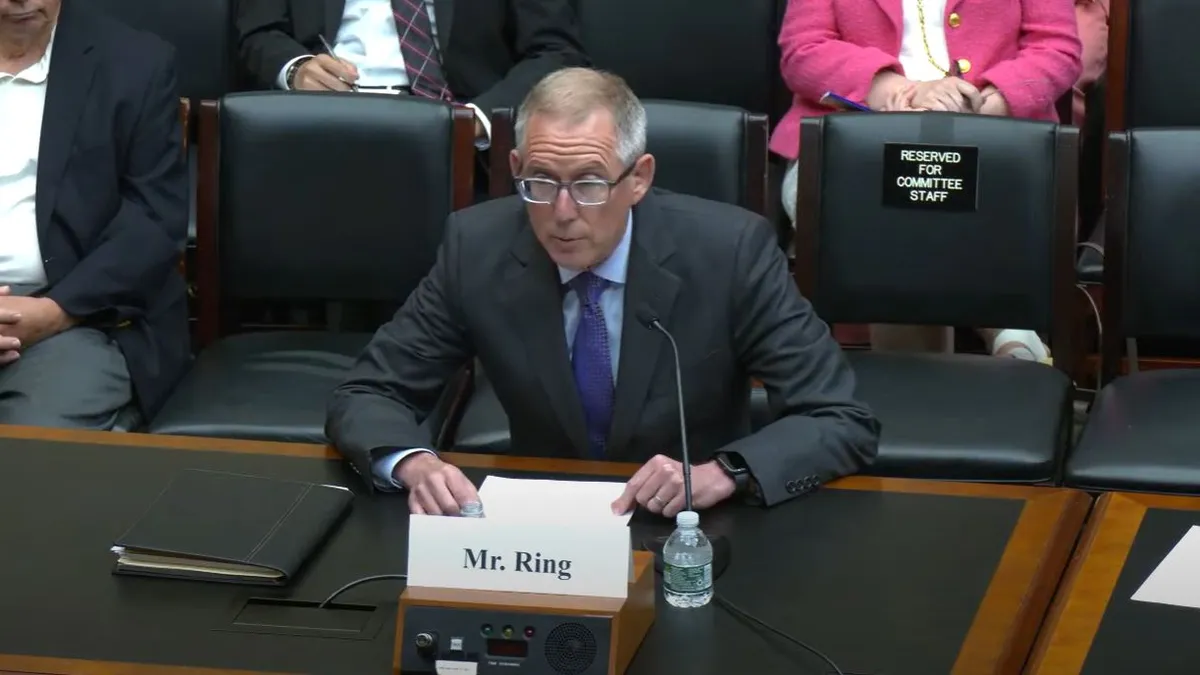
[309,196]
[1148,41]
[683,50]
[705,52]
[711,151]
[1142,433]
[1007,264]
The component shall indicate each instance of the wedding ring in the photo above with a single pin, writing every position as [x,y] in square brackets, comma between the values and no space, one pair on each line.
[656,499]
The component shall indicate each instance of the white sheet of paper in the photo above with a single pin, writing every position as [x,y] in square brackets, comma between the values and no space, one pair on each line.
[556,500]
[1175,581]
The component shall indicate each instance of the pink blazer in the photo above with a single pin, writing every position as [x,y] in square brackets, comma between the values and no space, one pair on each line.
[1028,49]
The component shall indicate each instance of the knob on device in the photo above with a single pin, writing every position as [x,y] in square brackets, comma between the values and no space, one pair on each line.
[426,642]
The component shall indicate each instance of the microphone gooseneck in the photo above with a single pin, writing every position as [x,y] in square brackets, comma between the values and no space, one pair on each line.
[649,319]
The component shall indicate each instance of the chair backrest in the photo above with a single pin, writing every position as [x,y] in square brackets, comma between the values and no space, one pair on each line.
[1151,277]
[1151,42]
[705,150]
[690,50]
[200,30]
[324,196]
[868,252]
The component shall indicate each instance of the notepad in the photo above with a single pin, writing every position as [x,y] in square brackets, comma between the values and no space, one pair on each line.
[1174,581]
[218,526]
[550,500]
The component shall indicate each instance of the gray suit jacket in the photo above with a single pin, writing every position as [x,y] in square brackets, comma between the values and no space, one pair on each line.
[716,278]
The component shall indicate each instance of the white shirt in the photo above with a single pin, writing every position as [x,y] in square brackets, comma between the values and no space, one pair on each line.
[913,57]
[22,102]
[369,40]
[612,302]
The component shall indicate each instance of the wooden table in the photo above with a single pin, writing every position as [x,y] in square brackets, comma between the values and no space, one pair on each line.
[1088,589]
[998,640]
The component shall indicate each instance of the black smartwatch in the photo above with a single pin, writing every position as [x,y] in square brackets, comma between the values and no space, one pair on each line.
[735,467]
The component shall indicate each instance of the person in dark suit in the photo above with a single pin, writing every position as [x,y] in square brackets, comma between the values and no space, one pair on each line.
[545,289]
[484,53]
[93,210]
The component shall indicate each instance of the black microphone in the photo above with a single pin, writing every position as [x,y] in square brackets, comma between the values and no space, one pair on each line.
[649,319]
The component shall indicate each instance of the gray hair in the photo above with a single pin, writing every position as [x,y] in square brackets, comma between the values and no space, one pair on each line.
[577,93]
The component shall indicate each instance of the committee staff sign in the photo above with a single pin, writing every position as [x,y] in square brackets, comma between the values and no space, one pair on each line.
[932,177]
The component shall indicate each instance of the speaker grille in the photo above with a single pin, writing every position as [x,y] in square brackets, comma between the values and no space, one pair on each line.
[570,649]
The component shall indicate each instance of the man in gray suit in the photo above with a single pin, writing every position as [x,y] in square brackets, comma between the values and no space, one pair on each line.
[545,289]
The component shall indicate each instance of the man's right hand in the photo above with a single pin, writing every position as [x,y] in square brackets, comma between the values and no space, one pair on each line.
[435,488]
[325,73]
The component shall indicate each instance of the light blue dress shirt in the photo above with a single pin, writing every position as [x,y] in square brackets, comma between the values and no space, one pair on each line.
[612,302]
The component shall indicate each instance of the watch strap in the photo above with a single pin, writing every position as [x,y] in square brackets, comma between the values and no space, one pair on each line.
[735,470]
[290,77]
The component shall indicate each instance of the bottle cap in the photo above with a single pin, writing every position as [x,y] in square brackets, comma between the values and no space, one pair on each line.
[687,519]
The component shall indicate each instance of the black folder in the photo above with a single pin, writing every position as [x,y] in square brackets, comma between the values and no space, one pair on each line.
[217,526]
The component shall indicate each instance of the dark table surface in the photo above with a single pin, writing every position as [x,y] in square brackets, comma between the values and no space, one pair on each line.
[1095,627]
[885,581]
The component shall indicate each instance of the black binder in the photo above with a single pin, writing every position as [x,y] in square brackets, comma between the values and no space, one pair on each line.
[217,526]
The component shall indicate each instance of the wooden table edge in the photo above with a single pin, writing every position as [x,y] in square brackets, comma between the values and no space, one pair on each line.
[1006,623]
[498,462]
[1083,597]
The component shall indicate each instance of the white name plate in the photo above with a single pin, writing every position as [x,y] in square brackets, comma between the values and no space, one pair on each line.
[524,557]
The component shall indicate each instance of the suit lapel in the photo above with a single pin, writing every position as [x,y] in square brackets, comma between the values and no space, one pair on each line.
[72,66]
[951,5]
[648,283]
[533,299]
[334,11]
[443,10]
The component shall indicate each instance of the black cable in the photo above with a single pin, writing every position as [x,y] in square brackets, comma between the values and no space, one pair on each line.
[357,582]
[748,617]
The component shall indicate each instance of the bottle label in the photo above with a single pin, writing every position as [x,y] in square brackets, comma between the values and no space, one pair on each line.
[687,579]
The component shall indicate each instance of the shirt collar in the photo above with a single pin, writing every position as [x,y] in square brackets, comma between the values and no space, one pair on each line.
[38,72]
[614,267]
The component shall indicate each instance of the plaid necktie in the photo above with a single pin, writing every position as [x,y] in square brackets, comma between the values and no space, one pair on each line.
[591,360]
[425,76]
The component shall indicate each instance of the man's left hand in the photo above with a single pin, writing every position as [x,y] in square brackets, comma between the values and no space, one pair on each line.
[658,487]
[39,319]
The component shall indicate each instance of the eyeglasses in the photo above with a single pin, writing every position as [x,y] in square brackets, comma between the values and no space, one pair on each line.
[585,192]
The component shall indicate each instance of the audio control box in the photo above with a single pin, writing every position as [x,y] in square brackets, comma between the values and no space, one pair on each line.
[443,631]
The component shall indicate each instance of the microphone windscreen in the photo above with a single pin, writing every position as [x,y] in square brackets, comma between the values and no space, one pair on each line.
[646,316]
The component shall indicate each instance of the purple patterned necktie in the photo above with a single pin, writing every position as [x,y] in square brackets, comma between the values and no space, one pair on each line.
[425,76]
[592,362]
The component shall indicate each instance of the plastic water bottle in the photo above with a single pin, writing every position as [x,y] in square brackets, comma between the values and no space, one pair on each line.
[471,510]
[687,564]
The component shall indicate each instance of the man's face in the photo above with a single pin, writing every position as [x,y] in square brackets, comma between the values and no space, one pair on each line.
[21,20]
[579,237]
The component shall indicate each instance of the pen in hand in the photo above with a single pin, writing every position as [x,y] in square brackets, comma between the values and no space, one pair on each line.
[329,50]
